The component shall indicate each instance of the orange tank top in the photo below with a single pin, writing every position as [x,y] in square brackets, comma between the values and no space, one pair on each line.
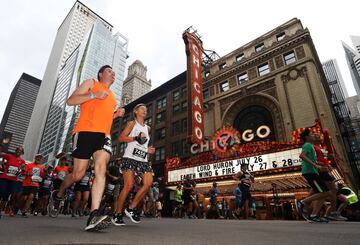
[97,115]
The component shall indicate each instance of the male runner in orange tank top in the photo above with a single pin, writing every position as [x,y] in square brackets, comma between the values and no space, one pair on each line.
[91,138]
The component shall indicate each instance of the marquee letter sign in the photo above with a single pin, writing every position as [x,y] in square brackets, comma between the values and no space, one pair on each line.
[194,83]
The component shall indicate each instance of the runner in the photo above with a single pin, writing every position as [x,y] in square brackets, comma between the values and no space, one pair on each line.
[45,190]
[9,182]
[310,171]
[114,180]
[246,180]
[136,135]
[213,201]
[346,196]
[329,180]
[92,138]
[237,202]
[34,172]
[61,171]
[82,192]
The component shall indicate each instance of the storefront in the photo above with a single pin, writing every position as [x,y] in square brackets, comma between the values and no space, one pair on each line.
[275,165]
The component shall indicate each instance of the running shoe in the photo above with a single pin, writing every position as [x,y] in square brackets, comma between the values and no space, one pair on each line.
[300,209]
[56,200]
[117,220]
[24,215]
[11,214]
[133,215]
[95,220]
[335,217]
[318,219]
[35,213]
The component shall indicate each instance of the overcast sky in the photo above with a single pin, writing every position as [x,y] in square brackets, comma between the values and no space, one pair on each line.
[154,29]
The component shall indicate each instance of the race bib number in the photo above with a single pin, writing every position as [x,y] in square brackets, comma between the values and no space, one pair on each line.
[85,180]
[12,171]
[139,153]
[62,175]
[36,175]
[47,183]
[110,187]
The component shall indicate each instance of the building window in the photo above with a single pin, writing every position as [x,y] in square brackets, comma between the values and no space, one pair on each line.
[243,78]
[176,128]
[222,66]
[161,103]
[184,147]
[207,73]
[184,91]
[264,69]
[176,108]
[176,150]
[206,93]
[160,117]
[176,95]
[289,58]
[224,86]
[184,106]
[148,121]
[239,57]
[160,134]
[280,36]
[184,125]
[149,109]
[259,47]
[160,154]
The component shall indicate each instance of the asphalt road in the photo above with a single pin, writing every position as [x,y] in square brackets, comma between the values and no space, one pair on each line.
[66,230]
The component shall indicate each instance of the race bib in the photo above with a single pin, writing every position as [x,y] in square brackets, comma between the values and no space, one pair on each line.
[111,187]
[12,171]
[62,175]
[47,183]
[36,175]
[139,153]
[85,180]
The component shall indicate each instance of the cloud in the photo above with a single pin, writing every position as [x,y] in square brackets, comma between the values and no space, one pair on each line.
[154,29]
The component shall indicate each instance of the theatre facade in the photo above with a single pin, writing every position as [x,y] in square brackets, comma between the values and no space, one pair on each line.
[254,103]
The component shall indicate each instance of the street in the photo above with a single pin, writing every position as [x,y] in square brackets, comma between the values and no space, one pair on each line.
[66,230]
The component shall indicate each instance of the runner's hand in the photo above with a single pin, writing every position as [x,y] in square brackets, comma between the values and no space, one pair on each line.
[101,94]
[151,150]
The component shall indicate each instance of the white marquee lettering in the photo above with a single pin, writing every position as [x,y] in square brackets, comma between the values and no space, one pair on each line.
[198,133]
[197,87]
[196,61]
[248,135]
[198,116]
[263,135]
[197,102]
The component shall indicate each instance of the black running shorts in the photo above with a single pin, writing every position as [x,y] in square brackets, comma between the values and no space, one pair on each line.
[87,143]
[316,182]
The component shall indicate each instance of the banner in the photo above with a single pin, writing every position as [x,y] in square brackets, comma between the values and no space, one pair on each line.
[275,160]
[194,83]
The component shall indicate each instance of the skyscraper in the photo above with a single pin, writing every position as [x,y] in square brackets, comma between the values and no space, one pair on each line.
[136,83]
[98,48]
[353,60]
[333,75]
[72,32]
[18,111]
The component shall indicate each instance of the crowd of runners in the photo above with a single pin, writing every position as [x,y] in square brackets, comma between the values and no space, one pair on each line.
[108,192]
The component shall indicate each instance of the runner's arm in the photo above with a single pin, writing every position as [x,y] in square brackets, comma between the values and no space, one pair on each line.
[81,94]
[308,161]
[124,136]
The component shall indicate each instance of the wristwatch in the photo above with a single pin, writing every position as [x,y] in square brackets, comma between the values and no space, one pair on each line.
[92,96]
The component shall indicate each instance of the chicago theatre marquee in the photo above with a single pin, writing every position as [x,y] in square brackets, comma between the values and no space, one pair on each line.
[248,106]
[256,100]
